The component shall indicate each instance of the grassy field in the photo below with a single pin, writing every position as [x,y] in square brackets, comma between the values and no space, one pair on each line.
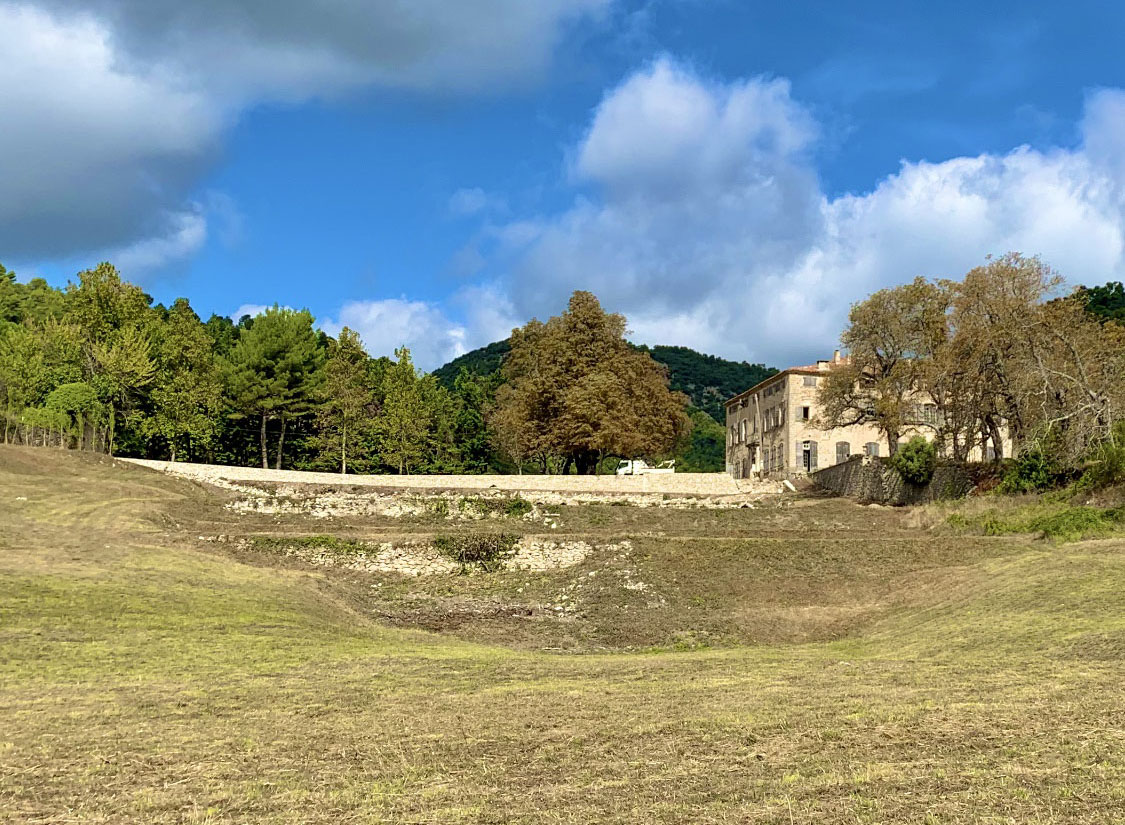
[817,662]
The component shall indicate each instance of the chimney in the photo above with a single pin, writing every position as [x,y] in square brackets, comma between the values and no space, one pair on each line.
[836,357]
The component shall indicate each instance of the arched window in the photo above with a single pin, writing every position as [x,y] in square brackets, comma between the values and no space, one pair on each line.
[872,448]
[843,451]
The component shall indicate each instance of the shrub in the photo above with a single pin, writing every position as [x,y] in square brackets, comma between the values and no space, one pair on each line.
[509,506]
[487,551]
[1107,462]
[915,461]
[517,507]
[1052,522]
[333,544]
[1032,471]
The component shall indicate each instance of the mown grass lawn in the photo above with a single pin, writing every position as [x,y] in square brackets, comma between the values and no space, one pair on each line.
[149,677]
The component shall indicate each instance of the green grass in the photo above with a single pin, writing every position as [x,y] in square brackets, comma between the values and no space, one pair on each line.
[149,677]
[1051,520]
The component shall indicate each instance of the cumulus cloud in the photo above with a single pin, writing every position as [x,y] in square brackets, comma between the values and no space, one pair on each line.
[702,217]
[253,310]
[384,325]
[91,156]
[113,109]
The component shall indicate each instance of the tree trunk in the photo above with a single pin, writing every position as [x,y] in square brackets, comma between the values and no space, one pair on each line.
[997,444]
[280,443]
[112,426]
[265,455]
[892,442]
[173,449]
[344,450]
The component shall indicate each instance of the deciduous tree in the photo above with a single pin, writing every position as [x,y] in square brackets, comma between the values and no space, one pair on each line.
[188,393]
[404,421]
[890,338]
[575,390]
[347,410]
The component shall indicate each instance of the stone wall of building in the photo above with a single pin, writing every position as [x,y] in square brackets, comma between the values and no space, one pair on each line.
[873,479]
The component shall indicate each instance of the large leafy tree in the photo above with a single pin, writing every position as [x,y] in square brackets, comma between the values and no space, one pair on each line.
[79,403]
[890,339]
[348,404]
[116,324]
[575,391]
[473,395]
[188,393]
[272,371]
[21,372]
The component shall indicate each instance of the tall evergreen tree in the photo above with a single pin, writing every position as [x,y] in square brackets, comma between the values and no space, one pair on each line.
[272,371]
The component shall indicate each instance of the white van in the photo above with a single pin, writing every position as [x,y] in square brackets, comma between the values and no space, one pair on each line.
[638,466]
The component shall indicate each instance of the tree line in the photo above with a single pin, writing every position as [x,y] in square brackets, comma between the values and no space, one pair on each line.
[98,366]
[1005,349]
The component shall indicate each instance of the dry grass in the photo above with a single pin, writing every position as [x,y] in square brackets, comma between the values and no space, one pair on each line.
[146,676]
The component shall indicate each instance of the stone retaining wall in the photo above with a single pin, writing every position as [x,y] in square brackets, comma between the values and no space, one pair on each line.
[702,484]
[873,479]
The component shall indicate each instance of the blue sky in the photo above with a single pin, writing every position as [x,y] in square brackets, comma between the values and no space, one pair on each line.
[730,175]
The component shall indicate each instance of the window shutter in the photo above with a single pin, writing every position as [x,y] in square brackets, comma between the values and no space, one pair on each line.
[797,463]
[812,455]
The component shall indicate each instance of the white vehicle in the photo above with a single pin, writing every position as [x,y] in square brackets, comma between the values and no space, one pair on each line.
[638,467]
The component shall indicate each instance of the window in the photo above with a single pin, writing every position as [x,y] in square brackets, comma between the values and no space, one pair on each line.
[872,448]
[843,451]
[810,380]
[742,431]
[805,413]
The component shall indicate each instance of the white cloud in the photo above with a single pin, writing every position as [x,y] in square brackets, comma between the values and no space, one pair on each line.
[253,310]
[472,201]
[384,325]
[709,227]
[113,109]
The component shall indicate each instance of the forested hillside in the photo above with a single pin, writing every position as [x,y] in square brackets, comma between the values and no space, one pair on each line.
[1105,302]
[706,379]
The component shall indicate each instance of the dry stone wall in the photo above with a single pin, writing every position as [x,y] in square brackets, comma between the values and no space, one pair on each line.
[688,484]
[866,478]
[423,559]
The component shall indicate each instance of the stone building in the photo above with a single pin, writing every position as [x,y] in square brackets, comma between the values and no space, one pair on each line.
[771,429]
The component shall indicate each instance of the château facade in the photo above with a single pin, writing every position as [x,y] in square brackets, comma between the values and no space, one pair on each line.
[772,432]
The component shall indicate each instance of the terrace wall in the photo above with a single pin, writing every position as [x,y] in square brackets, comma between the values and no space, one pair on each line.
[693,484]
[873,479]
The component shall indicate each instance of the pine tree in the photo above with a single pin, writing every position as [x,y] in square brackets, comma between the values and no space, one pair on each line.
[273,369]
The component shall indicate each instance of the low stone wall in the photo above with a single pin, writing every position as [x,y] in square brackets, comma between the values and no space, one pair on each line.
[873,479]
[696,484]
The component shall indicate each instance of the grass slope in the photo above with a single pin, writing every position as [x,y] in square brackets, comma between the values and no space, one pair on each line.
[148,676]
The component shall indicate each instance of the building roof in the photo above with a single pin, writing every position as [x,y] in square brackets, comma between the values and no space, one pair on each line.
[819,368]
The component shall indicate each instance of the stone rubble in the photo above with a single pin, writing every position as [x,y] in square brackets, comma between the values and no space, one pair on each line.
[422,559]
